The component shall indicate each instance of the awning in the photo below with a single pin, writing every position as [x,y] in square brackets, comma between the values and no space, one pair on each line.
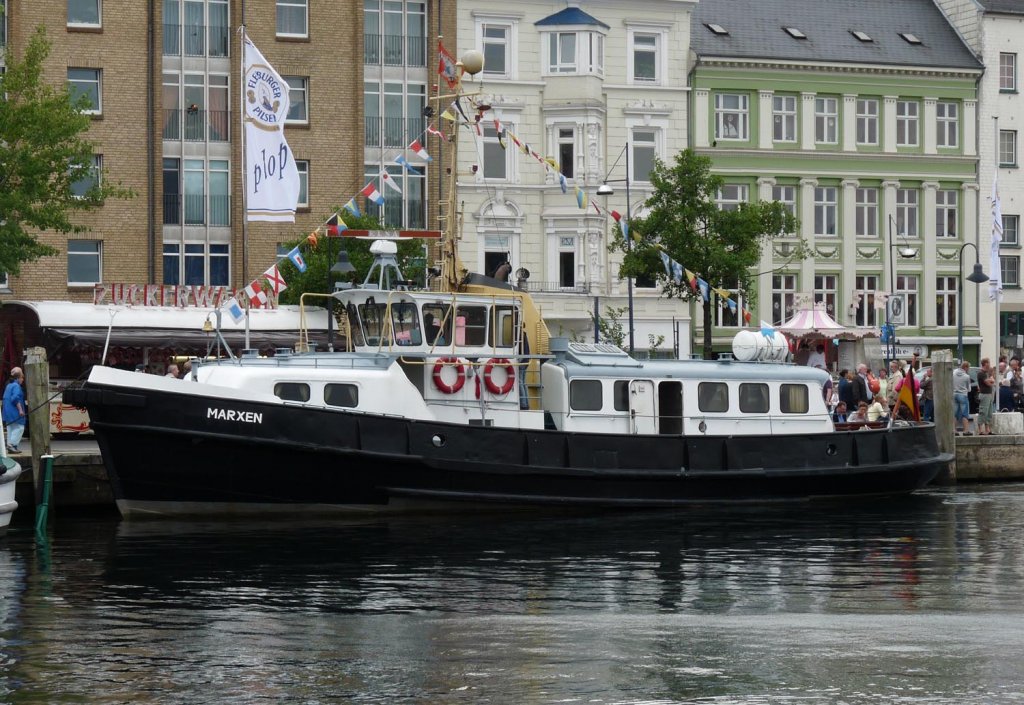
[816,323]
[64,322]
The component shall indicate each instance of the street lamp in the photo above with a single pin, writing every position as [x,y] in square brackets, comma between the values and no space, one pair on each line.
[907,252]
[342,266]
[977,276]
[605,190]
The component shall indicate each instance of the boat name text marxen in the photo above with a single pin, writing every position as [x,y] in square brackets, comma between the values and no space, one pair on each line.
[232,415]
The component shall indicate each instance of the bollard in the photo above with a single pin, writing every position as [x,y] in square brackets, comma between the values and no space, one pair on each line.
[942,389]
[37,394]
[42,508]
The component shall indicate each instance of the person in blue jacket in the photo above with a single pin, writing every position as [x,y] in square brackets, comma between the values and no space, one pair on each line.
[14,412]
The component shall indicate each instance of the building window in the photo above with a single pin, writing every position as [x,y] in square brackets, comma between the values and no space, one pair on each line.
[947,117]
[205,116]
[406,211]
[946,213]
[5,282]
[1011,235]
[497,46]
[86,82]
[84,13]
[786,195]
[945,301]
[906,123]
[85,262]
[496,252]
[783,298]
[566,150]
[645,149]
[1009,270]
[863,304]
[90,179]
[727,310]
[495,157]
[172,263]
[298,110]
[199,180]
[826,207]
[292,18]
[1008,72]
[826,120]
[1007,148]
[731,196]
[205,32]
[202,264]
[867,121]
[220,265]
[906,284]
[398,34]
[645,57]
[575,53]
[906,212]
[172,194]
[303,168]
[731,112]
[866,215]
[784,118]
[826,288]
[567,262]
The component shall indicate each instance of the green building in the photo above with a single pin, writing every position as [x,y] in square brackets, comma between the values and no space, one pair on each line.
[862,119]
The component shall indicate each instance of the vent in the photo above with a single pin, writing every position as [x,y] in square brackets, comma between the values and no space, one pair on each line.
[795,33]
[910,38]
[861,35]
[717,29]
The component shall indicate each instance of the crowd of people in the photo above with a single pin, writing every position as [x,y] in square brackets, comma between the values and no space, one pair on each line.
[861,395]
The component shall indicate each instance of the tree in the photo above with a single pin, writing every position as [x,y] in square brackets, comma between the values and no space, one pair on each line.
[44,159]
[684,221]
[320,258]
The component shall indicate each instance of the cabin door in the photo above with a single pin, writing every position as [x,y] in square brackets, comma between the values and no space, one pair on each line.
[641,407]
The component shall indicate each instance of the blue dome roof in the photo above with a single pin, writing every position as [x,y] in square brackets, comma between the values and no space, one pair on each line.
[570,16]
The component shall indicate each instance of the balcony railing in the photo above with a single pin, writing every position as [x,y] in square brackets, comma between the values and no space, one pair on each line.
[394,49]
[538,287]
[199,209]
[196,125]
[392,131]
[199,40]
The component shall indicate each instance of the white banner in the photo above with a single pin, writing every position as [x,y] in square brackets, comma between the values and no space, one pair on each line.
[271,177]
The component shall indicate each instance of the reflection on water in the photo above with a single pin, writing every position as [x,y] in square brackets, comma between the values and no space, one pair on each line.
[916,600]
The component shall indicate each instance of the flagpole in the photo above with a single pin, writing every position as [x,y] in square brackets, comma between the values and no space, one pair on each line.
[245,169]
[994,258]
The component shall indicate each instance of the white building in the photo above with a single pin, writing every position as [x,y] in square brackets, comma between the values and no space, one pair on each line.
[591,85]
[994,29]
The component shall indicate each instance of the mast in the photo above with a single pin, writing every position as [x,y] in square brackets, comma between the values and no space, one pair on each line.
[245,171]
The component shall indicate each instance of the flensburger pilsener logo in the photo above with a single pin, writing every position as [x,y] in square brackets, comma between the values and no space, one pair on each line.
[263,93]
[234,415]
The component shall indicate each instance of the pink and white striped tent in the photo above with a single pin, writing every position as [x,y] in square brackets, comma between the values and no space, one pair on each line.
[816,323]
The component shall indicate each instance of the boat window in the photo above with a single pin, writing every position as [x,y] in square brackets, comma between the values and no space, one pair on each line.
[793,399]
[713,396]
[754,398]
[503,326]
[621,395]
[585,395]
[434,315]
[371,315]
[406,323]
[341,395]
[471,325]
[353,325]
[292,391]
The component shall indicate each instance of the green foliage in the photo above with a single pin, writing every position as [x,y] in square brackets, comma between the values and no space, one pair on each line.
[684,221]
[321,258]
[610,328]
[42,153]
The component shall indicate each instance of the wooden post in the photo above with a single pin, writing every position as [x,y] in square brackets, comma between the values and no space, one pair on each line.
[37,394]
[942,391]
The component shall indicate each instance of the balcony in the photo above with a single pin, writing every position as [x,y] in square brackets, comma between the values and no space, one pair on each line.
[199,40]
[196,125]
[538,287]
[199,210]
[394,50]
[392,131]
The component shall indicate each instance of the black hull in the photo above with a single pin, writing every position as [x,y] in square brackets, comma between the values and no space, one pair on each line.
[165,455]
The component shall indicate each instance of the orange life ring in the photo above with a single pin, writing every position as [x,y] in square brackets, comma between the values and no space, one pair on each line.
[510,376]
[460,378]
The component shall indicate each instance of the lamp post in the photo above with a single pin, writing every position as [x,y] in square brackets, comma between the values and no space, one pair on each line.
[342,266]
[906,252]
[605,190]
[977,276]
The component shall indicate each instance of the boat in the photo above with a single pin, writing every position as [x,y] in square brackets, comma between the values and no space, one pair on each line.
[458,397]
